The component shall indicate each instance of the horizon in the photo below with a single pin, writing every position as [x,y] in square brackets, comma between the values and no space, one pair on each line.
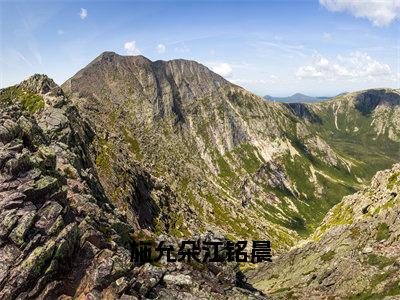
[320,49]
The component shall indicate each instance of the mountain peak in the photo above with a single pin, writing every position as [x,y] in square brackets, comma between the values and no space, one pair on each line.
[118,72]
[112,57]
[41,84]
[299,95]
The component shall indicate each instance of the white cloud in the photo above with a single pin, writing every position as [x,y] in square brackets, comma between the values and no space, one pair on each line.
[161,48]
[354,66]
[23,58]
[223,69]
[308,72]
[83,13]
[298,50]
[327,36]
[131,49]
[182,48]
[268,80]
[396,78]
[379,12]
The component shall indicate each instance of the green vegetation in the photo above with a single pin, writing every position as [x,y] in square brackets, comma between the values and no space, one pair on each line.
[31,103]
[239,226]
[103,158]
[224,168]
[247,155]
[379,261]
[390,289]
[369,152]
[383,232]
[134,145]
[177,227]
[328,255]
[158,227]
[392,181]
[339,216]
[355,232]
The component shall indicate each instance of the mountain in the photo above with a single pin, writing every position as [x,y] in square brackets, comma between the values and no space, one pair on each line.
[227,156]
[218,148]
[297,98]
[353,254]
[130,149]
[61,236]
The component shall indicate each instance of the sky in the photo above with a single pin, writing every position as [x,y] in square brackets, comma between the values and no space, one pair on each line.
[278,48]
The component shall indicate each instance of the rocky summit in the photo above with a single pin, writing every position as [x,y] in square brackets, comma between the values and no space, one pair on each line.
[129,149]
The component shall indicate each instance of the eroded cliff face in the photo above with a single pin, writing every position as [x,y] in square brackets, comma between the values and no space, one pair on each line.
[228,156]
[353,254]
[60,233]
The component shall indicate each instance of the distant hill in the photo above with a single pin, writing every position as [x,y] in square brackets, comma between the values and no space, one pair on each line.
[298,97]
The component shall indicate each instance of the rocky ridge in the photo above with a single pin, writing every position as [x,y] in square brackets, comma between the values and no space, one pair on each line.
[353,254]
[60,235]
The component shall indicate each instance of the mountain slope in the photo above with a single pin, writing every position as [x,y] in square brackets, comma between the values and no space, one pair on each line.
[363,125]
[352,255]
[228,156]
[60,235]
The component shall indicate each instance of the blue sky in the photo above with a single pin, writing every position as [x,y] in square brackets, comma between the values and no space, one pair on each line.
[278,48]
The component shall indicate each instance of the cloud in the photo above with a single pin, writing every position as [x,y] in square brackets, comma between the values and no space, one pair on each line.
[60,32]
[182,48]
[83,13]
[396,78]
[131,49]
[23,58]
[379,12]
[354,66]
[223,69]
[268,80]
[288,48]
[161,48]
[327,36]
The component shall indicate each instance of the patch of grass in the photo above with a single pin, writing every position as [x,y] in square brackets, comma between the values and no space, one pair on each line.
[30,102]
[355,232]
[392,181]
[379,261]
[383,232]
[378,278]
[328,255]
[177,227]
[340,216]
[391,289]
[103,158]
[134,145]
[224,168]
[158,227]
[247,155]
